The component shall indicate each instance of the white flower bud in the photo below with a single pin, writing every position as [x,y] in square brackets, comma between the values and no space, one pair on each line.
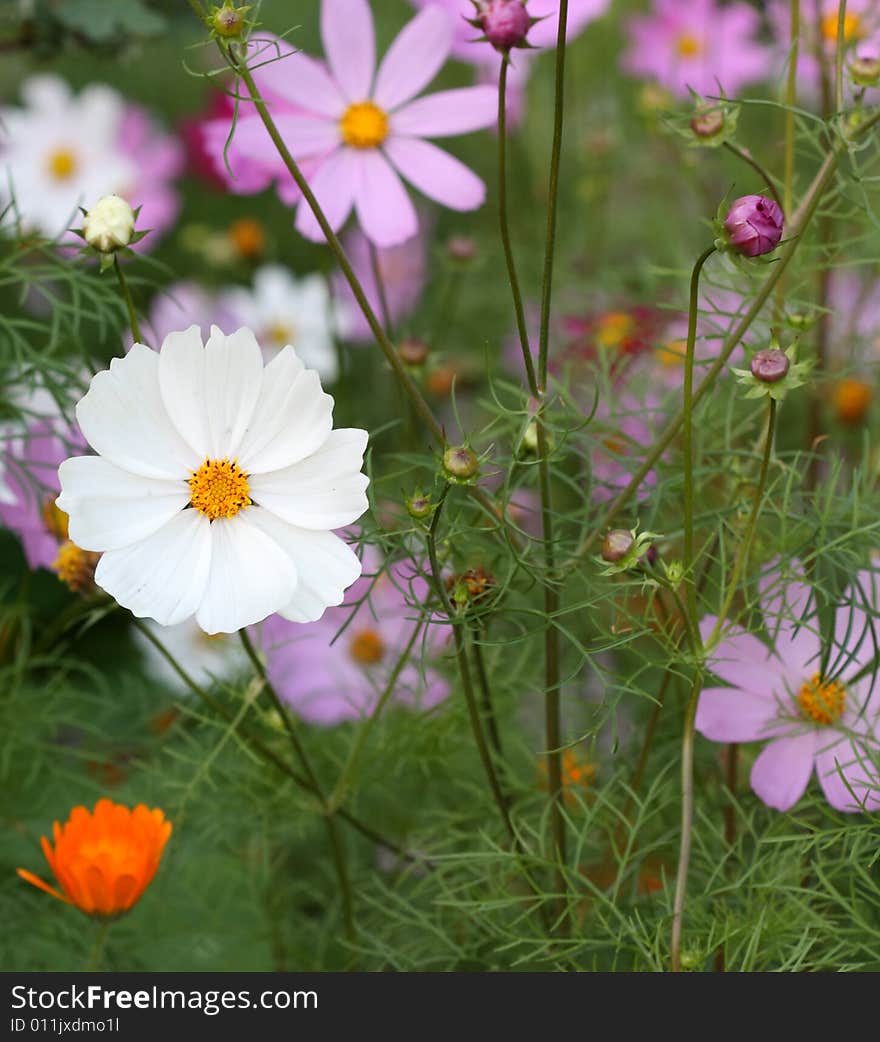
[109,224]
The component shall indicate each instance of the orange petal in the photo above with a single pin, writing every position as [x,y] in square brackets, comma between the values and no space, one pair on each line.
[29,877]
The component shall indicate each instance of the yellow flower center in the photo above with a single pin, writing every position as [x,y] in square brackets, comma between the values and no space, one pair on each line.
[280,333]
[75,567]
[364,125]
[55,520]
[367,647]
[822,701]
[614,328]
[219,489]
[671,354]
[852,27]
[62,164]
[688,45]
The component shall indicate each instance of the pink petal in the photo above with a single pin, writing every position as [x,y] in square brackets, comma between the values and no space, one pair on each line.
[304,135]
[727,714]
[384,208]
[855,633]
[789,615]
[743,661]
[782,771]
[304,81]
[414,59]
[333,185]
[350,44]
[847,776]
[447,112]
[436,173]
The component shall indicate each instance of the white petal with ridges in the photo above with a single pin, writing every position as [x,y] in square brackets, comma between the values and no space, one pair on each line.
[233,379]
[182,386]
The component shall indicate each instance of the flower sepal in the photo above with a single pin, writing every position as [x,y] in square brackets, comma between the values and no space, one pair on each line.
[772,372]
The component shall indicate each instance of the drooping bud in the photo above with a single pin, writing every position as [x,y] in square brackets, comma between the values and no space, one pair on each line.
[504,23]
[413,351]
[851,400]
[229,21]
[770,365]
[460,464]
[109,225]
[754,225]
[617,545]
[865,72]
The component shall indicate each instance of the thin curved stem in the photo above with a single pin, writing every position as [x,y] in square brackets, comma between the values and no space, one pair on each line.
[126,296]
[504,224]
[488,707]
[379,279]
[748,158]
[838,57]
[336,846]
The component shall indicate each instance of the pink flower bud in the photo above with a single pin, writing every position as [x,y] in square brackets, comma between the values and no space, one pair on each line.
[504,22]
[617,545]
[770,365]
[754,225]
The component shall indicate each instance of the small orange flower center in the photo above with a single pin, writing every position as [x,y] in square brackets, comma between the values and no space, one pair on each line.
[55,521]
[75,567]
[688,45]
[614,328]
[280,333]
[367,647]
[822,701]
[62,164]
[671,354]
[364,125]
[852,27]
[219,489]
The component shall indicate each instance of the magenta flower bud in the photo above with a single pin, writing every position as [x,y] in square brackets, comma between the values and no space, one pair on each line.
[617,545]
[754,225]
[504,22]
[770,365]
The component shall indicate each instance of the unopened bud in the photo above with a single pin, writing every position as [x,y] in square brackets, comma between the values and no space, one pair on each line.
[770,365]
[754,225]
[505,23]
[708,122]
[419,506]
[229,21]
[460,464]
[461,249]
[109,225]
[865,72]
[617,545]
[413,351]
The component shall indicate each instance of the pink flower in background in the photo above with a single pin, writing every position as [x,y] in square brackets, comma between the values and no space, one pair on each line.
[698,44]
[330,672]
[812,715]
[62,151]
[181,305]
[854,300]
[625,426]
[403,269]
[365,128]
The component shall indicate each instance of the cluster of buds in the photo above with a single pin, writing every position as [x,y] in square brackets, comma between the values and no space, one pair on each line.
[471,589]
[772,372]
[752,227]
[108,227]
[504,23]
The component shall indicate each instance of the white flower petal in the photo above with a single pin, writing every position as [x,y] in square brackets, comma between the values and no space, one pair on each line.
[164,576]
[123,418]
[182,385]
[324,491]
[233,379]
[251,576]
[110,508]
[293,417]
[326,566]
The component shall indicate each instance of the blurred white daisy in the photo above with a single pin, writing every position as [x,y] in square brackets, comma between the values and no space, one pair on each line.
[283,310]
[206,658]
[217,485]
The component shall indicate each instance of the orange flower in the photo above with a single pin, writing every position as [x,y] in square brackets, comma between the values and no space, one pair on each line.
[852,398]
[105,859]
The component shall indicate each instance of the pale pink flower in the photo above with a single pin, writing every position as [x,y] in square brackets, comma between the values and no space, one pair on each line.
[626,425]
[698,44]
[814,712]
[365,128]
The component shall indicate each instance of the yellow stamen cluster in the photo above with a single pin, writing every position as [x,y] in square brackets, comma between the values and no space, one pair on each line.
[367,648]
[364,125]
[689,46]
[62,164]
[55,520]
[852,27]
[280,333]
[614,328]
[219,489]
[76,567]
[822,701]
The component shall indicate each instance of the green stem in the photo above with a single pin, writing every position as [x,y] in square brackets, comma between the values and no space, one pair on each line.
[376,268]
[98,946]
[838,57]
[512,276]
[746,157]
[790,103]
[129,303]
[687,433]
[486,693]
[336,846]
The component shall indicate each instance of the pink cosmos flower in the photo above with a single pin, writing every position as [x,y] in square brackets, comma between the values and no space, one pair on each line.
[364,128]
[179,306]
[854,300]
[330,672]
[403,269]
[698,44]
[812,713]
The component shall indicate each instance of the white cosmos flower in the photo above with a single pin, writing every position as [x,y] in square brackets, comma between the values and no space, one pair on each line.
[60,151]
[206,658]
[217,485]
[283,310]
